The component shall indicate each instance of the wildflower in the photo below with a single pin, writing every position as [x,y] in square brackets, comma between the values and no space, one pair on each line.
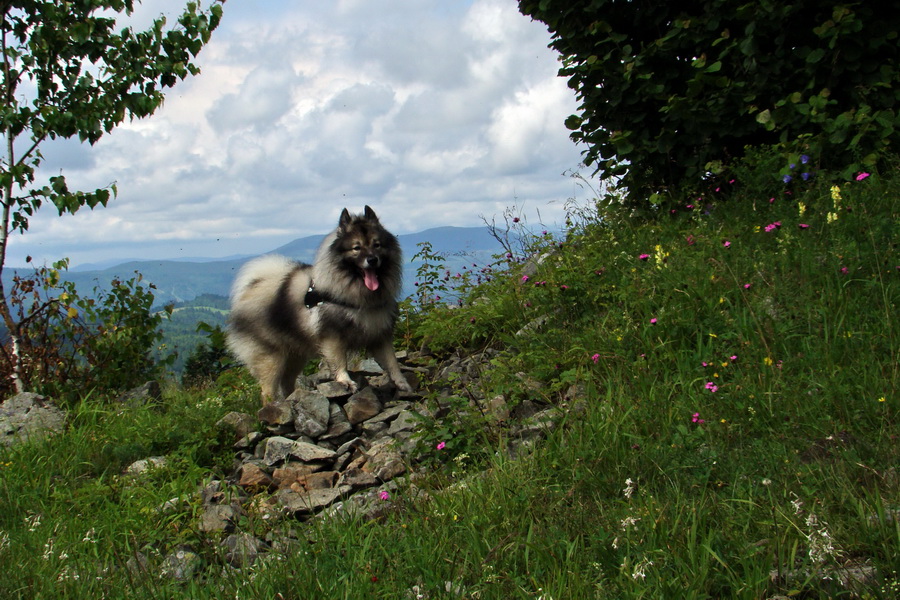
[644,256]
[835,192]
[515,219]
[803,226]
[639,570]
[861,176]
[524,278]
[787,178]
[629,488]
[831,217]
[767,482]
[653,321]
[441,445]
[845,270]
[712,387]
[746,286]
[690,240]
[804,158]
[805,176]
[595,358]
[696,418]
[726,243]
[384,495]
[882,399]
[801,207]
[733,357]
[773,226]
[564,287]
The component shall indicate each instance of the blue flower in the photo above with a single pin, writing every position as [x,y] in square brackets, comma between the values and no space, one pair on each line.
[804,158]
[787,178]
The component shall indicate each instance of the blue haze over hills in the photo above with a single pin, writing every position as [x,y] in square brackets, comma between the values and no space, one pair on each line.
[185,279]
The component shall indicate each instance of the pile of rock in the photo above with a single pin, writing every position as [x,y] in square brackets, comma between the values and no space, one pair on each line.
[324,443]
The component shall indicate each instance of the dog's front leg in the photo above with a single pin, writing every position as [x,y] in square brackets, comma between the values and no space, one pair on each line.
[335,355]
[385,356]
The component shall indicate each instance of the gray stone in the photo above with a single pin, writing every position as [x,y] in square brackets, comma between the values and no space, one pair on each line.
[389,413]
[278,449]
[333,390]
[28,416]
[181,565]
[241,424]
[139,396]
[251,440]
[311,413]
[307,452]
[142,467]
[368,366]
[384,460]
[242,549]
[358,479]
[220,517]
[309,502]
[362,405]
[278,413]
[406,421]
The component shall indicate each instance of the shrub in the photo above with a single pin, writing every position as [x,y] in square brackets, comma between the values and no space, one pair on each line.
[671,92]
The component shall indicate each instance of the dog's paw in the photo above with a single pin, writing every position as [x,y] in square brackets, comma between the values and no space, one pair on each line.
[403,385]
[348,383]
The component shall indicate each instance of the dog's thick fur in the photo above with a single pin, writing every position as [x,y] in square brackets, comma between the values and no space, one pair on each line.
[352,291]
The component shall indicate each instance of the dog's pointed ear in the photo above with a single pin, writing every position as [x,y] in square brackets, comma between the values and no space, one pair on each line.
[370,214]
[344,220]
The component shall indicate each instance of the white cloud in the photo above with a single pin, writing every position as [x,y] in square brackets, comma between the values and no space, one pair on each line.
[433,112]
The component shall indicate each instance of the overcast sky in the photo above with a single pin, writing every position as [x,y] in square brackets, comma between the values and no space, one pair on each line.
[433,112]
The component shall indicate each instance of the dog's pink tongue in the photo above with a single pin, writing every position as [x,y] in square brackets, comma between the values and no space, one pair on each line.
[371,279]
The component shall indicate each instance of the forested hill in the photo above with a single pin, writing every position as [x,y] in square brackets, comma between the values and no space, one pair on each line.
[182,281]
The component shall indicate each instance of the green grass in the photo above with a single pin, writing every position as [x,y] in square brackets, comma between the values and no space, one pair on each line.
[765,392]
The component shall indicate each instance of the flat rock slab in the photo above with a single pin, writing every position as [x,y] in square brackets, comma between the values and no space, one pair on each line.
[310,502]
[29,416]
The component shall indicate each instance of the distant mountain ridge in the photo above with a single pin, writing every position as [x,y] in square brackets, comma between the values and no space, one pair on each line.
[180,280]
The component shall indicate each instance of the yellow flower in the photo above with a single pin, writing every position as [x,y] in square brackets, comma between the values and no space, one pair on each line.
[768,361]
[835,193]
[802,208]
[832,217]
[882,399]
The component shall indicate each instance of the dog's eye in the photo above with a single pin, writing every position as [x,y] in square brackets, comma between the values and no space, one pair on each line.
[357,248]
[377,244]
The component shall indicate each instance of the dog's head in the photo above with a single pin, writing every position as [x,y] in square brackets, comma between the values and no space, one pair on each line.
[366,248]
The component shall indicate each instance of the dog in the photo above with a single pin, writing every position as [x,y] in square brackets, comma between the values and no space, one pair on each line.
[284,313]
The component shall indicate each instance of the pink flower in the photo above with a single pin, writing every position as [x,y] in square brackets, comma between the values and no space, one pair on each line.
[595,358]
[861,176]
[803,226]
[845,270]
[644,256]
[384,495]
[441,445]
[746,286]
[712,387]
[653,321]
[733,357]
[696,418]
[690,240]
[726,243]
[524,278]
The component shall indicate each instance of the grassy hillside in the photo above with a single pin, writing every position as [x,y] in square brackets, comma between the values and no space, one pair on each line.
[731,371]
